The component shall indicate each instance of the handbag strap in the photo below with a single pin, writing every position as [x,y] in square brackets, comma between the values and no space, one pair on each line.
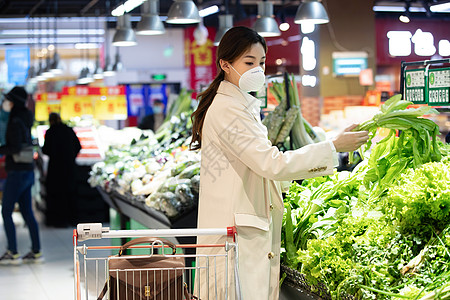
[145,240]
[103,292]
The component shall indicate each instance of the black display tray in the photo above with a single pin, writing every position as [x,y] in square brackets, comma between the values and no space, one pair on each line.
[297,280]
[129,206]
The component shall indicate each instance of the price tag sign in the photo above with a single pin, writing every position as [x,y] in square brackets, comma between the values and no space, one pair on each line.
[415,83]
[439,86]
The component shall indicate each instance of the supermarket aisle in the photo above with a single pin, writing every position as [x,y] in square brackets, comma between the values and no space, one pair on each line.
[50,280]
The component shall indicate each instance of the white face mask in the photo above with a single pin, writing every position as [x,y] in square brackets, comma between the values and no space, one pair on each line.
[252,80]
[7,105]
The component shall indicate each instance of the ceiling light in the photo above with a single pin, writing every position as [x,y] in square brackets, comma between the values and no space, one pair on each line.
[266,25]
[98,72]
[443,7]
[183,12]
[388,8]
[311,11]
[85,76]
[118,66]
[47,73]
[31,73]
[124,35]
[108,71]
[55,67]
[126,7]
[225,23]
[284,26]
[404,18]
[85,45]
[150,23]
[208,11]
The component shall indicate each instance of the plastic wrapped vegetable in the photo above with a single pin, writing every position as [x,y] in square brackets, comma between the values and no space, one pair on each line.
[171,184]
[170,204]
[276,120]
[190,172]
[181,166]
[153,201]
[289,121]
[183,191]
[195,184]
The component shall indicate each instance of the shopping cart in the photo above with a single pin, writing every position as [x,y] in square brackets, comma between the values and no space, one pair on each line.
[92,265]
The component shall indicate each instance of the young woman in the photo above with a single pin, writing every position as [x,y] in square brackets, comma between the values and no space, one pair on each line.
[20,177]
[243,174]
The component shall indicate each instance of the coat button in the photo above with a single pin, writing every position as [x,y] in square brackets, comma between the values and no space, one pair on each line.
[271,255]
[271,206]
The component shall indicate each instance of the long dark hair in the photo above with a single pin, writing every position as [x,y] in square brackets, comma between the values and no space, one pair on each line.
[233,44]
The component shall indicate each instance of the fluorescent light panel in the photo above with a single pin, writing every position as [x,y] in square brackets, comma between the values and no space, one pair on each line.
[208,11]
[59,32]
[387,8]
[128,6]
[443,7]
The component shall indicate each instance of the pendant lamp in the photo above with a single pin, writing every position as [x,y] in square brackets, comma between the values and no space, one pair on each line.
[108,71]
[266,25]
[225,23]
[183,12]
[150,23]
[311,11]
[124,35]
[118,66]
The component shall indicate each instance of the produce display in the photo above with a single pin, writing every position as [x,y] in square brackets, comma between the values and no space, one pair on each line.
[158,169]
[381,231]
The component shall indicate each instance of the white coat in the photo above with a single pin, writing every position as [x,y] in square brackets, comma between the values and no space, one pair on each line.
[240,185]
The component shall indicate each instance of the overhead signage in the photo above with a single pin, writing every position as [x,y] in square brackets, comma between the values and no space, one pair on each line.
[47,103]
[415,86]
[159,77]
[18,62]
[349,63]
[428,86]
[439,86]
[104,103]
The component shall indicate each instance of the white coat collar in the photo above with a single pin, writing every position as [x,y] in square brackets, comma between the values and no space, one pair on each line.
[250,102]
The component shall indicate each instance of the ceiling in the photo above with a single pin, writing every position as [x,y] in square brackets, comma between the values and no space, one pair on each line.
[75,16]
[240,8]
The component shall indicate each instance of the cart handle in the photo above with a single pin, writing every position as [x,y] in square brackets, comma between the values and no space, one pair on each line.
[86,231]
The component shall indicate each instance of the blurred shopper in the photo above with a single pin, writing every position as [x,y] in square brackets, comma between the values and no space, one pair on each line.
[62,146]
[242,173]
[4,117]
[20,176]
[158,112]
[153,120]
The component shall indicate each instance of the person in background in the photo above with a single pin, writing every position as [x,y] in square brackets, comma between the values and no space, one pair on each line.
[4,117]
[62,146]
[153,120]
[158,112]
[447,138]
[20,177]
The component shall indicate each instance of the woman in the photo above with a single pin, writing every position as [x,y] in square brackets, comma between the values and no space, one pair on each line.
[20,177]
[243,174]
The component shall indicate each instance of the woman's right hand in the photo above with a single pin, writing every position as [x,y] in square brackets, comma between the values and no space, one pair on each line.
[349,141]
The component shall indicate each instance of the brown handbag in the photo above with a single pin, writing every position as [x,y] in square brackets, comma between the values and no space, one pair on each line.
[158,276]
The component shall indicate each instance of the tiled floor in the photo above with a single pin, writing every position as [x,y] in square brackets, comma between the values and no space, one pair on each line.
[51,280]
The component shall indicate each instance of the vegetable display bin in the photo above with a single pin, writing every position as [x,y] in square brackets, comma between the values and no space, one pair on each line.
[296,281]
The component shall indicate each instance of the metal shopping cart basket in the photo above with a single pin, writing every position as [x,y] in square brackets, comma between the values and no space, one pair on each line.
[97,276]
